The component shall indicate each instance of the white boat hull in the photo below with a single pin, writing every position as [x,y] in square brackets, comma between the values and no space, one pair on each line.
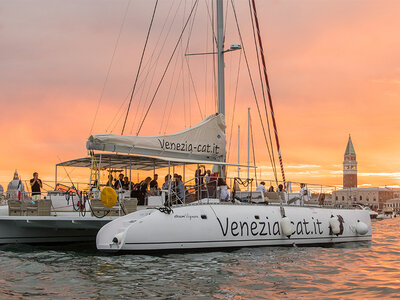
[203,226]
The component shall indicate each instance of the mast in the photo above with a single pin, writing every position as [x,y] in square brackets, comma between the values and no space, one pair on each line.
[220,53]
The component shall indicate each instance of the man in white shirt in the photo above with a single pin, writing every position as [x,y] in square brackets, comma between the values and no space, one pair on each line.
[304,194]
[261,187]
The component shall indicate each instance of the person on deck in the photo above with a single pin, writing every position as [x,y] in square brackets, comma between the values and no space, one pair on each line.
[165,185]
[127,185]
[261,187]
[143,191]
[119,182]
[199,180]
[36,185]
[207,177]
[223,187]
[271,189]
[154,184]
[110,181]
[304,194]
[180,187]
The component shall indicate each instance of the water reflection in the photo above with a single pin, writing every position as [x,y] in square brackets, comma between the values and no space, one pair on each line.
[342,271]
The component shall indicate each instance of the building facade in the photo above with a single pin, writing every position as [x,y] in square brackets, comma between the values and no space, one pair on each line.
[349,166]
[374,197]
[393,204]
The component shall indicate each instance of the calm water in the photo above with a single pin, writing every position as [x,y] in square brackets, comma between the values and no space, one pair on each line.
[366,270]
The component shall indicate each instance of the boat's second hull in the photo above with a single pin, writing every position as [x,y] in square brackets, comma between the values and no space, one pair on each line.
[38,230]
[231,226]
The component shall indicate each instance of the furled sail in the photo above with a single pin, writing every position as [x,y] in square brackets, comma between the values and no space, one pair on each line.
[204,141]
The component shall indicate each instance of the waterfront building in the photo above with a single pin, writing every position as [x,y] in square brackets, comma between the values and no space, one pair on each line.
[393,204]
[374,197]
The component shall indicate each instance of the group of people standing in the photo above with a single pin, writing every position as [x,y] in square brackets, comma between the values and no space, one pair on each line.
[139,190]
[175,185]
[303,195]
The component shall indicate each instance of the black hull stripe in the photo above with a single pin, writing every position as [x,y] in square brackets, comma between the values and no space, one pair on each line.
[45,237]
[253,240]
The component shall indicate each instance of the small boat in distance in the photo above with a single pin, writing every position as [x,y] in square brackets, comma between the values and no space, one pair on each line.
[386,213]
[372,214]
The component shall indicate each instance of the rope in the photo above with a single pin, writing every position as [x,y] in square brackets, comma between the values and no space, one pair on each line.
[166,68]
[140,65]
[263,91]
[253,88]
[165,209]
[268,91]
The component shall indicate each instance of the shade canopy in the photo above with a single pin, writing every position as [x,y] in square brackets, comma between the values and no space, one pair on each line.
[135,162]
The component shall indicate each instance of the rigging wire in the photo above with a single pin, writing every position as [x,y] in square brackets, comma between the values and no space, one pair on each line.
[226,17]
[262,88]
[186,58]
[206,71]
[188,65]
[140,65]
[214,64]
[166,106]
[194,90]
[234,105]
[166,68]
[214,42]
[253,148]
[269,93]
[182,66]
[173,101]
[252,86]
[154,63]
[110,65]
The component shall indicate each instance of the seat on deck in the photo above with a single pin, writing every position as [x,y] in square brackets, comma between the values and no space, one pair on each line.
[274,197]
[99,209]
[16,208]
[129,205]
[252,196]
[39,208]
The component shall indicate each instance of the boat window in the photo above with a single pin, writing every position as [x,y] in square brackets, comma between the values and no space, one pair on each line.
[203,217]
[257,217]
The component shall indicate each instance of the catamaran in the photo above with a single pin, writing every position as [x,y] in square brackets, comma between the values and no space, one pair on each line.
[203,220]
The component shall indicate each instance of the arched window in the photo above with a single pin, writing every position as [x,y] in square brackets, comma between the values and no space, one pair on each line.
[360,198]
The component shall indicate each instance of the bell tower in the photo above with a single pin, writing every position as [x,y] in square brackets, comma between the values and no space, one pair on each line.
[349,166]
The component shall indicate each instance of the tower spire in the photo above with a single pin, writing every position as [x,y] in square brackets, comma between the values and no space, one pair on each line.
[350,148]
[349,166]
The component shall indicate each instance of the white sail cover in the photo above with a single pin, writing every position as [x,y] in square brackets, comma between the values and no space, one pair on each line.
[204,141]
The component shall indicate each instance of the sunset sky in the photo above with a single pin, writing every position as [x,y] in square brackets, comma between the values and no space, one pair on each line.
[334,69]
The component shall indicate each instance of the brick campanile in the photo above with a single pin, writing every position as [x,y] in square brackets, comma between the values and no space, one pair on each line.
[349,166]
